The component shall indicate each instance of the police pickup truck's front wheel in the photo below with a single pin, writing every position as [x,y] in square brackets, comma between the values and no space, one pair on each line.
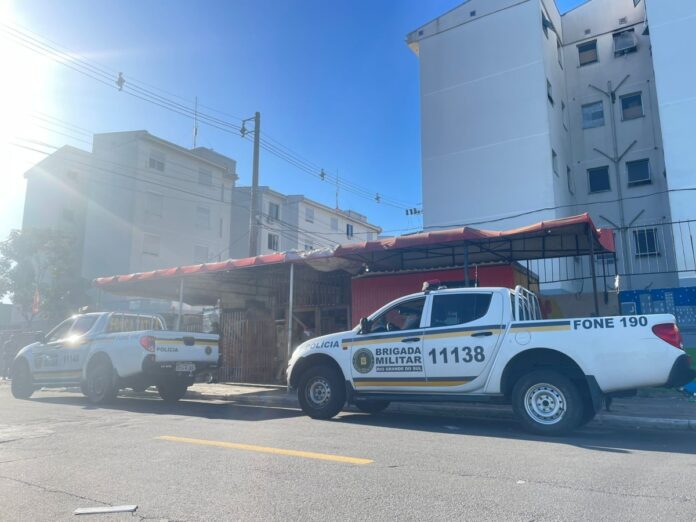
[22,383]
[321,392]
[547,403]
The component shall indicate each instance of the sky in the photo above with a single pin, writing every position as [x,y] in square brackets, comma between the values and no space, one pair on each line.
[334,81]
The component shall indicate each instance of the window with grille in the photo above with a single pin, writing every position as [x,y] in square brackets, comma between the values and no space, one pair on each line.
[592,115]
[273,242]
[156,161]
[273,211]
[645,241]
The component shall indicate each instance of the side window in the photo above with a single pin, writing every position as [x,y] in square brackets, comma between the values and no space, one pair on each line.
[403,316]
[83,325]
[60,331]
[454,309]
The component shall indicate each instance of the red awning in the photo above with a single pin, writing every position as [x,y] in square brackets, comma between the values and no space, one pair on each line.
[572,236]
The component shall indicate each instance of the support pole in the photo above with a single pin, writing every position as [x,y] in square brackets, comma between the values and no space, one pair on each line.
[592,270]
[290,296]
[466,265]
[181,303]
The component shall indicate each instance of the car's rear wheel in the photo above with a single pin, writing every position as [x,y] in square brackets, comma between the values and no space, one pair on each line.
[321,392]
[22,381]
[172,391]
[547,403]
[371,405]
[100,384]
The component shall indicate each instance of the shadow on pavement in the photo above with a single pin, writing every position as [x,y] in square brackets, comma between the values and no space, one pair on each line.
[150,404]
[592,437]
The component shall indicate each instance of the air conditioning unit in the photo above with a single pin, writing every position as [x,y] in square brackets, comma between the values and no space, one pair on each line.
[625,42]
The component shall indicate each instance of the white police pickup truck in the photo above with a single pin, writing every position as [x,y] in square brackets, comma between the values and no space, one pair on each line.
[488,345]
[104,352]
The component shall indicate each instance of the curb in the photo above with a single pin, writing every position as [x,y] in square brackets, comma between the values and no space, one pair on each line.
[502,412]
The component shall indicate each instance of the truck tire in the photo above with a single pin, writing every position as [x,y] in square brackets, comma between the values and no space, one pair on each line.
[321,392]
[172,391]
[22,382]
[547,403]
[371,406]
[100,385]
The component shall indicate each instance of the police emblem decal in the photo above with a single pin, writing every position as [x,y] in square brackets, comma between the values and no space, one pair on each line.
[363,361]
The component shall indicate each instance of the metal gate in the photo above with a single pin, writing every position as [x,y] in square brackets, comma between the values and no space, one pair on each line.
[249,348]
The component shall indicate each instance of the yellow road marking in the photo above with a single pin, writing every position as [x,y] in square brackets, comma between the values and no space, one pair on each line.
[266,449]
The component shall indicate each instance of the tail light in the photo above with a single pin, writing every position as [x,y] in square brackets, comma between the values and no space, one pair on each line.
[148,342]
[669,332]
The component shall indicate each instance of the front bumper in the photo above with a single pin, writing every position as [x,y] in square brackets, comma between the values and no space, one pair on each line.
[681,373]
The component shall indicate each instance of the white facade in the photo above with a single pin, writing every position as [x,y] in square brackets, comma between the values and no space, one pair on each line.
[137,202]
[514,118]
[294,223]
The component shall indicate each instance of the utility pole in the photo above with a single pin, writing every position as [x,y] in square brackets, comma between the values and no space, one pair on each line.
[254,214]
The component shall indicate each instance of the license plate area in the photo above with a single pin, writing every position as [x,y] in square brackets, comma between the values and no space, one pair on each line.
[185,367]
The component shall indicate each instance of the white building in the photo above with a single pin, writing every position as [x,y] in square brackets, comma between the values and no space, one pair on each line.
[294,223]
[135,203]
[529,115]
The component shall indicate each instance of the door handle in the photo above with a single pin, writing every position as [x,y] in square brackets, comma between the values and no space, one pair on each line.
[482,334]
[410,340]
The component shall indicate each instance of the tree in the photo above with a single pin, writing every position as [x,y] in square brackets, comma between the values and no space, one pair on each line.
[44,262]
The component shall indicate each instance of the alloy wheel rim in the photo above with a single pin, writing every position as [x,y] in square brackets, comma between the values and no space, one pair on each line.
[545,403]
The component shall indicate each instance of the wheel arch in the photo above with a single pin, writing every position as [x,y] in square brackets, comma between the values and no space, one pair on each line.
[20,359]
[541,358]
[307,362]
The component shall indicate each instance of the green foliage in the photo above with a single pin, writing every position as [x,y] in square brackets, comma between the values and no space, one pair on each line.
[47,260]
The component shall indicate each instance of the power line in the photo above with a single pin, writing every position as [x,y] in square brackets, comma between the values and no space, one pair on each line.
[81,65]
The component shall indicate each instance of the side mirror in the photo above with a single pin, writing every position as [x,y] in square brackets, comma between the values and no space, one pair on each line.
[364,325]
[40,337]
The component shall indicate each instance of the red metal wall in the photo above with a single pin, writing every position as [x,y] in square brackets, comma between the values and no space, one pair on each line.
[371,292]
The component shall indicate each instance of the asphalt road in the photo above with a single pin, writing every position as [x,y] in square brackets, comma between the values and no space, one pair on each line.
[203,460]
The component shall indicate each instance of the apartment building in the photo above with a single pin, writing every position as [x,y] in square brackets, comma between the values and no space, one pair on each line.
[293,222]
[135,202]
[533,115]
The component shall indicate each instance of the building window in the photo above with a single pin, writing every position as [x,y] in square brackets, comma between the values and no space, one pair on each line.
[203,217]
[334,223]
[559,51]
[156,160]
[309,215]
[638,172]
[273,212]
[554,161]
[151,245]
[646,242]
[68,215]
[308,246]
[593,115]
[598,179]
[349,231]
[549,91]
[154,203]
[625,42]
[200,254]
[571,181]
[631,106]
[273,242]
[205,177]
[587,53]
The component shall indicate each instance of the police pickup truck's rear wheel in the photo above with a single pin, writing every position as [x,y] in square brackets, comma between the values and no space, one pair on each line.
[100,385]
[321,392]
[22,382]
[371,405]
[547,403]
[172,391]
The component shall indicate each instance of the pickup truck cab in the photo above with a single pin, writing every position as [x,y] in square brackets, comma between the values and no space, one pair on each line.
[487,345]
[104,352]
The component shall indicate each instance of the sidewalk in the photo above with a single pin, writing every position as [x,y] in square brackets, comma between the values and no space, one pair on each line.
[664,411]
